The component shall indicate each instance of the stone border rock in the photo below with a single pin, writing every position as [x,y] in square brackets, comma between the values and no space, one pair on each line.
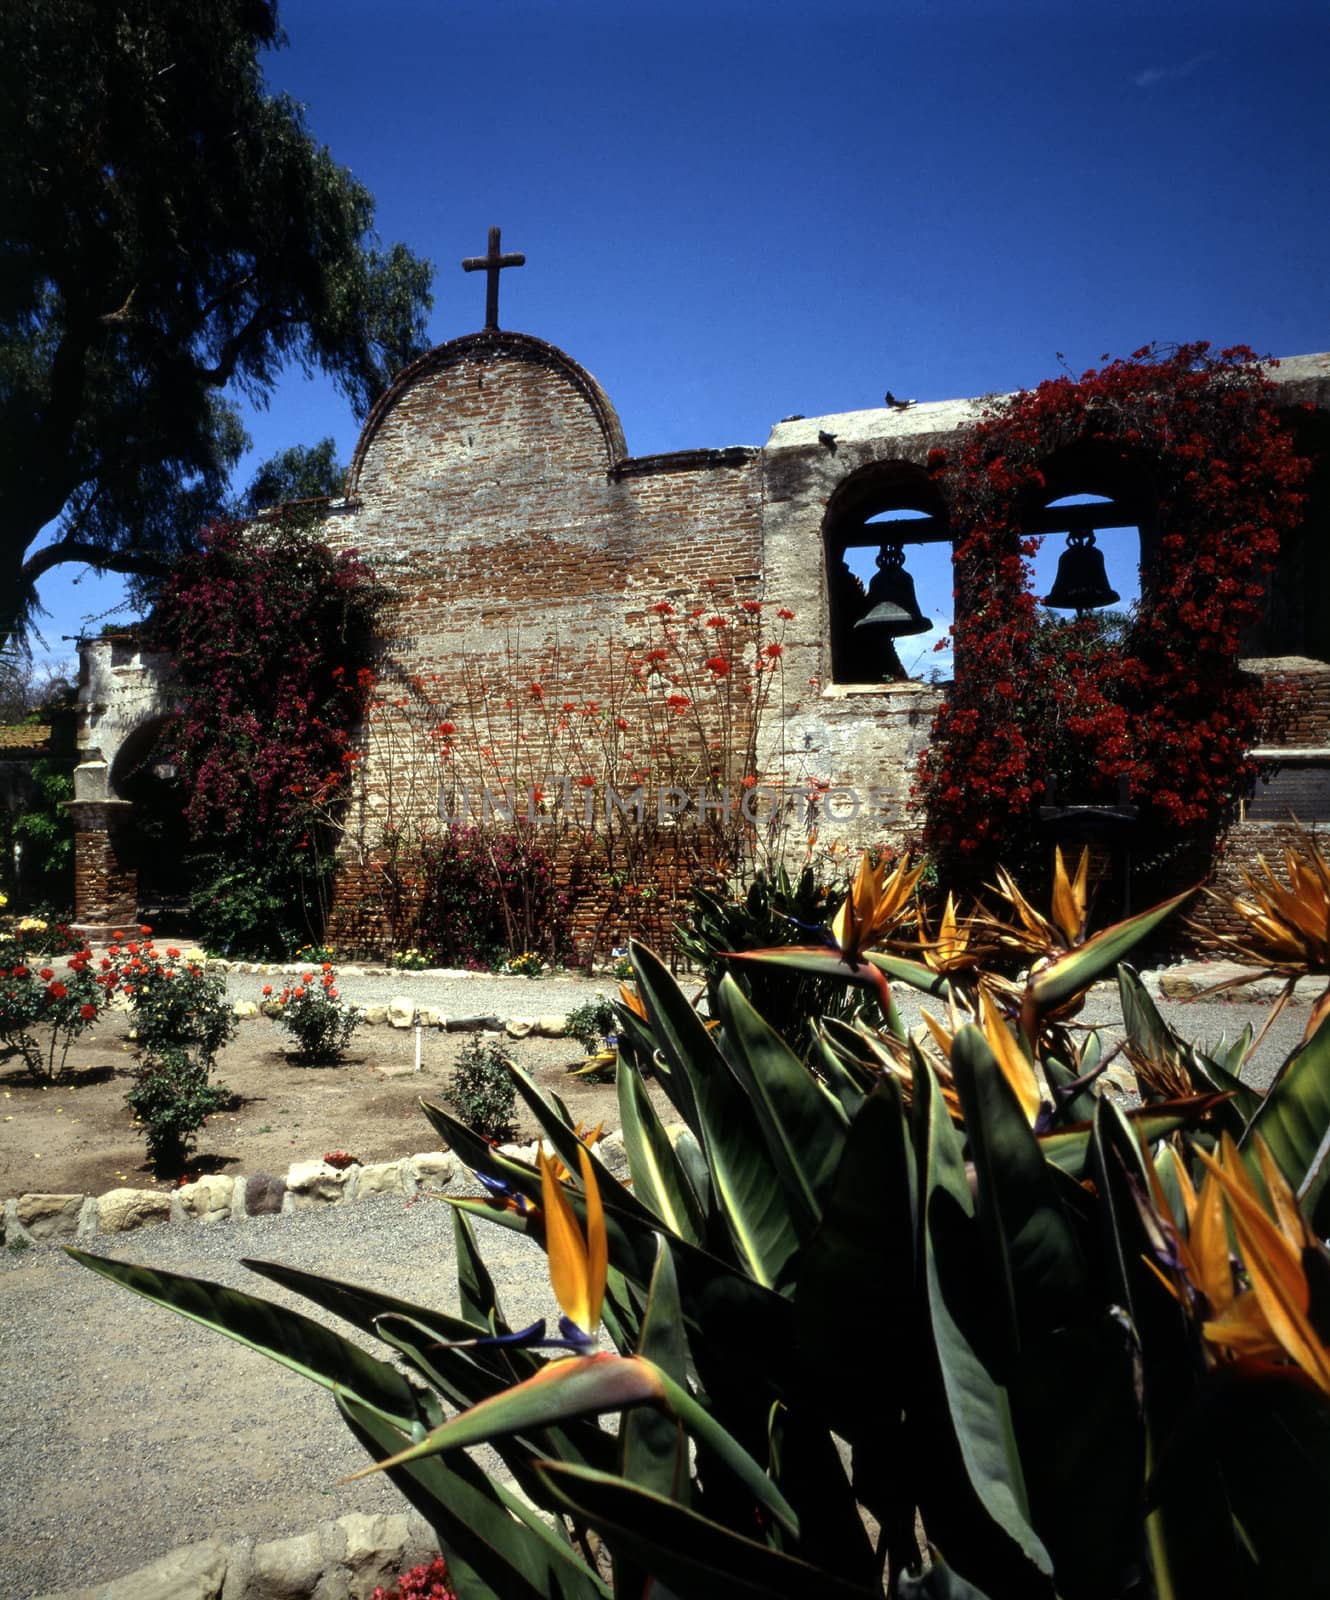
[223,1197]
[342,1560]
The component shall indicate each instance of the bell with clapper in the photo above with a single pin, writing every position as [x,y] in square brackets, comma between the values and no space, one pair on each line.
[1081,584]
[893,612]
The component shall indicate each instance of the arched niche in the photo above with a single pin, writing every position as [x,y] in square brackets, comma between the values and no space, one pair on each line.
[891,505]
[1092,489]
[156,842]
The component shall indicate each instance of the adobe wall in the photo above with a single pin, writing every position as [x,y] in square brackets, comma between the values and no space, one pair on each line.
[493,490]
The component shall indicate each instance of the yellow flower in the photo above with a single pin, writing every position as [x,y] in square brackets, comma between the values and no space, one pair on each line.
[874,905]
[1269,1318]
[578,1265]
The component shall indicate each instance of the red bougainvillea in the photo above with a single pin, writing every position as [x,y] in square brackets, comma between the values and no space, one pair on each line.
[1160,703]
[271,635]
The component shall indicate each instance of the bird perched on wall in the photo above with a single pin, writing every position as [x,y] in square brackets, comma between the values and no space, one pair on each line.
[897,405]
[828,439]
[794,416]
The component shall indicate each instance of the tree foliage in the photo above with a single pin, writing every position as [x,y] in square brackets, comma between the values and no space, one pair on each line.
[174,237]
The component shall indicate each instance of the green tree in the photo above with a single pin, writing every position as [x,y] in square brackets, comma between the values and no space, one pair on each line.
[300,472]
[173,237]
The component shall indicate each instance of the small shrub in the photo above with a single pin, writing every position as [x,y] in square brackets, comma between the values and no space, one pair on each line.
[591,1022]
[482,1090]
[341,1159]
[527,965]
[175,1004]
[311,1012]
[34,995]
[181,1019]
[426,1582]
[171,1099]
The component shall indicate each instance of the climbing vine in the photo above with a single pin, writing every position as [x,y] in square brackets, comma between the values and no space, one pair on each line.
[272,636]
[1077,706]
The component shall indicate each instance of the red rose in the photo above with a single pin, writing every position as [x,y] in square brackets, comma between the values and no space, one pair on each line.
[57,991]
[87,1012]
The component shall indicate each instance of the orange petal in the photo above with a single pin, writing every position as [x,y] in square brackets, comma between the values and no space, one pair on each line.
[1274,1266]
[1015,1068]
[1208,1244]
[565,1248]
[597,1244]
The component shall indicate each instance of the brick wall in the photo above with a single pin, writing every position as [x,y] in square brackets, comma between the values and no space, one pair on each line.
[492,488]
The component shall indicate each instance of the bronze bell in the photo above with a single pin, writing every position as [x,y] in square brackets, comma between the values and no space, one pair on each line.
[1081,583]
[892,606]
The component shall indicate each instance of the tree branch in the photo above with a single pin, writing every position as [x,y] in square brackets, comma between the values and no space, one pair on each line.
[131,561]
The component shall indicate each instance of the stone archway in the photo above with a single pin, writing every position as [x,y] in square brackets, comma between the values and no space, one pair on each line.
[125,693]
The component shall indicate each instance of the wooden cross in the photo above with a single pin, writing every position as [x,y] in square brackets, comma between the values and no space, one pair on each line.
[492,263]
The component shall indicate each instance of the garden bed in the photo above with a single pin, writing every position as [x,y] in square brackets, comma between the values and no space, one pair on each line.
[78,1136]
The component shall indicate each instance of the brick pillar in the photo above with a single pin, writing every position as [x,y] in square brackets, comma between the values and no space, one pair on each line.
[105,880]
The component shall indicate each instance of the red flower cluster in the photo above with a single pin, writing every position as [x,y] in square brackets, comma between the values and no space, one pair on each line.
[1164,706]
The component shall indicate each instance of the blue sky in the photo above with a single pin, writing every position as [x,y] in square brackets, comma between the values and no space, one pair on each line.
[744,209]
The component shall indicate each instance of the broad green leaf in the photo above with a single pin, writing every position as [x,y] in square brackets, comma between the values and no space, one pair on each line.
[475,1288]
[1070,974]
[287,1337]
[752,1201]
[978,1405]
[1294,1121]
[808,1464]
[579,1386]
[824,961]
[1068,1147]
[862,1256]
[844,1080]
[494,1545]
[675,1029]
[476,1152]
[654,1450]
[694,1556]
[1032,1248]
[659,1178]
[803,1125]
[556,1127]
[938,1583]
[584,1386]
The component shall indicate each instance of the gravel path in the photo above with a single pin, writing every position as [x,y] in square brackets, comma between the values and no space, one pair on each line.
[125,1430]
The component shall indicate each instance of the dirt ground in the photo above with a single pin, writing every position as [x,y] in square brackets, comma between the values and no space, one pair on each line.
[78,1136]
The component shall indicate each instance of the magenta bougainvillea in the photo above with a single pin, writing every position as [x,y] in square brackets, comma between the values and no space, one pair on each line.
[271,634]
[273,638]
[1159,703]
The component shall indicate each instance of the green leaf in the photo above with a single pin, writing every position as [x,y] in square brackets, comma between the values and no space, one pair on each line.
[846,1080]
[751,1199]
[824,961]
[287,1337]
[1069,1147]
[1294,1121]
[556,1127]
[862,1256]
[561,1390]
[694,1556]
[659,1178]
[978,1407]
[494,1545]
[1032,1248]
[475,1288]
[653,1447]
[938,1583]
[1075,971]
[803,1124]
